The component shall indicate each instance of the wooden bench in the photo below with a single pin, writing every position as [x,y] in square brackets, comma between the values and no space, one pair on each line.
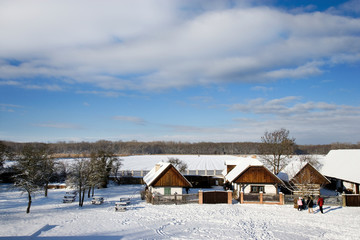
[120,206]
[125,200]
[69,198]
[97,200]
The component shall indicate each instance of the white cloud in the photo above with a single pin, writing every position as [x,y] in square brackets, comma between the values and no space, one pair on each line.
[131,119]
[290,105]
[148,45]
[58,125]
[309,122]
[262,88]
[9,107]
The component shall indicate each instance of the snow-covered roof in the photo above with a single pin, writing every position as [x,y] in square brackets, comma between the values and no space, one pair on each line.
[242,165]
[194,162]
[157,171]
[342,164]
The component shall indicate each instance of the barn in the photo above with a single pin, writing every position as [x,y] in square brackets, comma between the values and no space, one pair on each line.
[342,167]
[165,179]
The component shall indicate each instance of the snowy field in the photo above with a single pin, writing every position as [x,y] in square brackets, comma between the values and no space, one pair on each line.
[52,219]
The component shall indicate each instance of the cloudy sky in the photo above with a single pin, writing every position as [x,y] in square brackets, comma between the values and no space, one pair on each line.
[186,70]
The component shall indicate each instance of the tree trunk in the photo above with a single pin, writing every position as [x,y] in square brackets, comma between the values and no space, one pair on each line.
[80,192]
[93,191]
[29,203]
[83,196]
[46,189]
[89,192]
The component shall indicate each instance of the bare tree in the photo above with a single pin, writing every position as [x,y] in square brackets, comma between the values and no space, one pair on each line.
[29,175]
[47,167]
[313,160]
[178,164]
[80,177]
[276,147]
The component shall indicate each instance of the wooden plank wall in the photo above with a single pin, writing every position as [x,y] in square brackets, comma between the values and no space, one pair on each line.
[309,175]
[257,174]
[171,178]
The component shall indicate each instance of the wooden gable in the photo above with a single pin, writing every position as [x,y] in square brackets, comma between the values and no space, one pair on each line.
[309,175]
[170,177]
[257,174]
[230,167]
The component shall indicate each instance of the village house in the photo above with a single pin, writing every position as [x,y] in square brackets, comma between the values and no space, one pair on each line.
[165,179]
[249,175]
[252,181]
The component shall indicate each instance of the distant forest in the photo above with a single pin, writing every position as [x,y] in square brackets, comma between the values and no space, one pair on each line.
[77,149]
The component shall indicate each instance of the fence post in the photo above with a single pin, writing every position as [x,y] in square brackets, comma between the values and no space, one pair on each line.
[261,197]
[200,197]
[281,198]
[344,200]
[241,197]
[229,195]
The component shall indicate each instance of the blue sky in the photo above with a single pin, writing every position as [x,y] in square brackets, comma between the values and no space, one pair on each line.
[188,70]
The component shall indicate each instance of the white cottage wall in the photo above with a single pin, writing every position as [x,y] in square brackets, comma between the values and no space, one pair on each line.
[161,190]
[269,189]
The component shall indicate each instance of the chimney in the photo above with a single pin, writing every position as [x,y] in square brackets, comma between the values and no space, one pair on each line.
[157,167]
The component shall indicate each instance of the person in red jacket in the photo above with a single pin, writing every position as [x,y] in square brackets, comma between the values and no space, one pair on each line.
[320,202]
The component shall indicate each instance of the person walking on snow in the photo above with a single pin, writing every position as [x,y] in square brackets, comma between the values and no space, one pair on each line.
[310,204]
[300,204]
[320,202]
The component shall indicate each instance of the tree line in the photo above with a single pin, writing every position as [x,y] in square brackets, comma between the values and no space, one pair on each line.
[75,149]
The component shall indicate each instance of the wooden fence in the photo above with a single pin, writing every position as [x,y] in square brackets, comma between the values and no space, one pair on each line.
[173,199]
[328,200]
[261,198]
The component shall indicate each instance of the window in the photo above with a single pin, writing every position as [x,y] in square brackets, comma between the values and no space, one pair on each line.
[257,189]
[167,191]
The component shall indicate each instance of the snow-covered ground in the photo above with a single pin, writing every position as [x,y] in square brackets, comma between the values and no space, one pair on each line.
[52,219]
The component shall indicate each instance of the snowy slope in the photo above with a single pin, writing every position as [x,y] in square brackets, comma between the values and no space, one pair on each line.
[52,220]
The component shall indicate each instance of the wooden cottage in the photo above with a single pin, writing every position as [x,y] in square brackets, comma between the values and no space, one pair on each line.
[308,181]
[165,179]
[251,176]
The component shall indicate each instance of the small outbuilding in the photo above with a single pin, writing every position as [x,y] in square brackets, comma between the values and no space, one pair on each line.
[308,181]
[165,179]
